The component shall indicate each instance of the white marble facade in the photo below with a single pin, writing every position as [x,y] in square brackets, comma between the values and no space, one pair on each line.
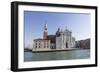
[64,39]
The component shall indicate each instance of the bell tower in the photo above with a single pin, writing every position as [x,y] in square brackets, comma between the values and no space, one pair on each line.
[45,33]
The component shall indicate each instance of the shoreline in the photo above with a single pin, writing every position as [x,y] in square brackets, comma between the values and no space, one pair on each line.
[53,50]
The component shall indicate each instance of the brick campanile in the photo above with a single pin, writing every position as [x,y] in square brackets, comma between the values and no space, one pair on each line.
[45,33]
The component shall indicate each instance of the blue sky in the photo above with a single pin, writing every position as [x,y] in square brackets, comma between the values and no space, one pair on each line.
[34,22]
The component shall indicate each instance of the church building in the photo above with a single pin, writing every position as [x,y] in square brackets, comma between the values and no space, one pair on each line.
[63,39]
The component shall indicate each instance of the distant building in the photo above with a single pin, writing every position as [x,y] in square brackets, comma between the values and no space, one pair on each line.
[60,40]
[83,43]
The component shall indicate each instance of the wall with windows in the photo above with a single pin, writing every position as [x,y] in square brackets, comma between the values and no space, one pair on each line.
[41,45]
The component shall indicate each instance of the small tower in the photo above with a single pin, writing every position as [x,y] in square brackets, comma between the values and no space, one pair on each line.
[45,33]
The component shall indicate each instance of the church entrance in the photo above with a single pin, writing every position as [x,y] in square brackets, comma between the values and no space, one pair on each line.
[66,45]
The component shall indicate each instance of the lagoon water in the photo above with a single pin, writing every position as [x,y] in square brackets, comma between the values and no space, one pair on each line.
[60,55]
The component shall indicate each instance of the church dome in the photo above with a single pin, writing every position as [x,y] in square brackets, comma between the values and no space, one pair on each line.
[58,32]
